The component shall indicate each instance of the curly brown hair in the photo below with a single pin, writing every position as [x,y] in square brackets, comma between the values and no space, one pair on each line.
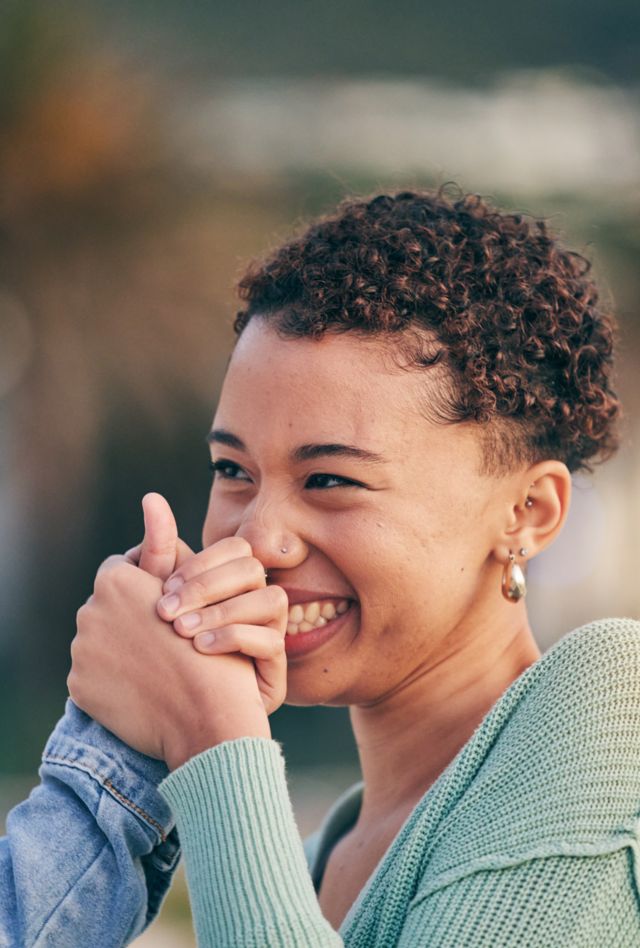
[490,296]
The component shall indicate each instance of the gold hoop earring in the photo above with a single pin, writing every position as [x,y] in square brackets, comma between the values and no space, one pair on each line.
[514,584]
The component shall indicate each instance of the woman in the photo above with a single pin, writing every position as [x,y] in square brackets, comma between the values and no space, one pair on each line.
[415,380]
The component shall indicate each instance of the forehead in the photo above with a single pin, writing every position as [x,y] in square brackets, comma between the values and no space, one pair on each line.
[338,385]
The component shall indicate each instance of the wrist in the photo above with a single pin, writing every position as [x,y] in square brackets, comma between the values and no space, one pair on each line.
[185,746]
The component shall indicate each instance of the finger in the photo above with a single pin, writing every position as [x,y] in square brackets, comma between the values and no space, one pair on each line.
[258,642]
[118,573]
[116,559]
[133,555]
[262,607]
[230,548]
[230,579]
[158,553]
[183,553]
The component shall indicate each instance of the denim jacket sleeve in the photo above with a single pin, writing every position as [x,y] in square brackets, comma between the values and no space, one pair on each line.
[89,856]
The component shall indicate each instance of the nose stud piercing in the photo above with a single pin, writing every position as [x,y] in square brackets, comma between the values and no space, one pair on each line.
[283,549]
[528,502]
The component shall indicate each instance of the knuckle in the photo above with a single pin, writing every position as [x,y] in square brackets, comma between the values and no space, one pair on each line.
[239,545]
[85,610]
[72,685]
[277,645]
[113,572]
[194,591]
[278,598]
[221,612]
[111,562]
[255,569]
[232,636]
[76,651]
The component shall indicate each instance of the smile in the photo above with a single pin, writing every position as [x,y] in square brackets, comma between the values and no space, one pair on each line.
[306,616]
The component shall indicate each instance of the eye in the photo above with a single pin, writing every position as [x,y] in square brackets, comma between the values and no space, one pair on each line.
[328,481]
[227,470]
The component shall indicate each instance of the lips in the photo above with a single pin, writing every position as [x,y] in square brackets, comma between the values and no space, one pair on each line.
[314,617]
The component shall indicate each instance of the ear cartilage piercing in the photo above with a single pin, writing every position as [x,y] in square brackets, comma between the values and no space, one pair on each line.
[522,551]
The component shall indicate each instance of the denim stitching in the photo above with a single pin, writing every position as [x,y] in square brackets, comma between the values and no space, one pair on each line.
[106,783]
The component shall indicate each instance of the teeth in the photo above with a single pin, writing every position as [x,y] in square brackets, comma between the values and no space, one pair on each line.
[313,615]
[296,613]
[312,612]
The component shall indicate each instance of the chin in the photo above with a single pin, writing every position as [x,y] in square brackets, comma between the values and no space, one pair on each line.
[321,685]
[309,688]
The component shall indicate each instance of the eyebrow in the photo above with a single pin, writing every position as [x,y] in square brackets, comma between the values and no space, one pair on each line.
[221,436]
[306,452]
[309,452]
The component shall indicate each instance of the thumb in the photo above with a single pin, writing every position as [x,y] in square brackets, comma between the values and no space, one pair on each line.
[159,547]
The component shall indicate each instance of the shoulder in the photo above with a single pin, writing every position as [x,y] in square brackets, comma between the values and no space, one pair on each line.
[589,675]
[577,720]
[561,770]
[580,714]
[597,648]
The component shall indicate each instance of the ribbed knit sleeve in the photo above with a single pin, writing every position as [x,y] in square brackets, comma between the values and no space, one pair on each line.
[248,878]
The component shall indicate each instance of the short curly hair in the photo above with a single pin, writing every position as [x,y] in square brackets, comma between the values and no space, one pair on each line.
[487,295]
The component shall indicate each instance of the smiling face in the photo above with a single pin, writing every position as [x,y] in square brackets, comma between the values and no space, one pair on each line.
[325,463]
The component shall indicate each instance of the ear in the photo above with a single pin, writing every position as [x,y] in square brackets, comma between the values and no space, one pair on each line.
[538,509]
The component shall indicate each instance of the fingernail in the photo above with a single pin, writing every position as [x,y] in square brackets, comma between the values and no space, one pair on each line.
[191,620]
[173,583]
[170,603]
[206,639]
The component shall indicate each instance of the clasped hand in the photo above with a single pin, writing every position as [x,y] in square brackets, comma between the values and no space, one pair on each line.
[176,652]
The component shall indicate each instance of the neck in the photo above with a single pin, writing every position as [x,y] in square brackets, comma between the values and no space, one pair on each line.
[416,731]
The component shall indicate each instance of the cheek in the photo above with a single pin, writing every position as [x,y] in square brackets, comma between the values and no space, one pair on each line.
[410,569]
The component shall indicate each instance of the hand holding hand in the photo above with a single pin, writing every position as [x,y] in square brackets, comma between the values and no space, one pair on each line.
[220,599]
[223,606]
[146,684]
[132,673]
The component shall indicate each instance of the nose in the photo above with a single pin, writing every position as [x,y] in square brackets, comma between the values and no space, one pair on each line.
[274,536]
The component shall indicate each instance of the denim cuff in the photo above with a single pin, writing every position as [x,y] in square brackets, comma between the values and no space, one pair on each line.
[129,777]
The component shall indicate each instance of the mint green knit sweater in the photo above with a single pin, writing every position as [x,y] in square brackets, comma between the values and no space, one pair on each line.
[531,836]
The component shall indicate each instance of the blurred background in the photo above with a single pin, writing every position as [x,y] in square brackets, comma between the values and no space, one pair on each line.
[147,152]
